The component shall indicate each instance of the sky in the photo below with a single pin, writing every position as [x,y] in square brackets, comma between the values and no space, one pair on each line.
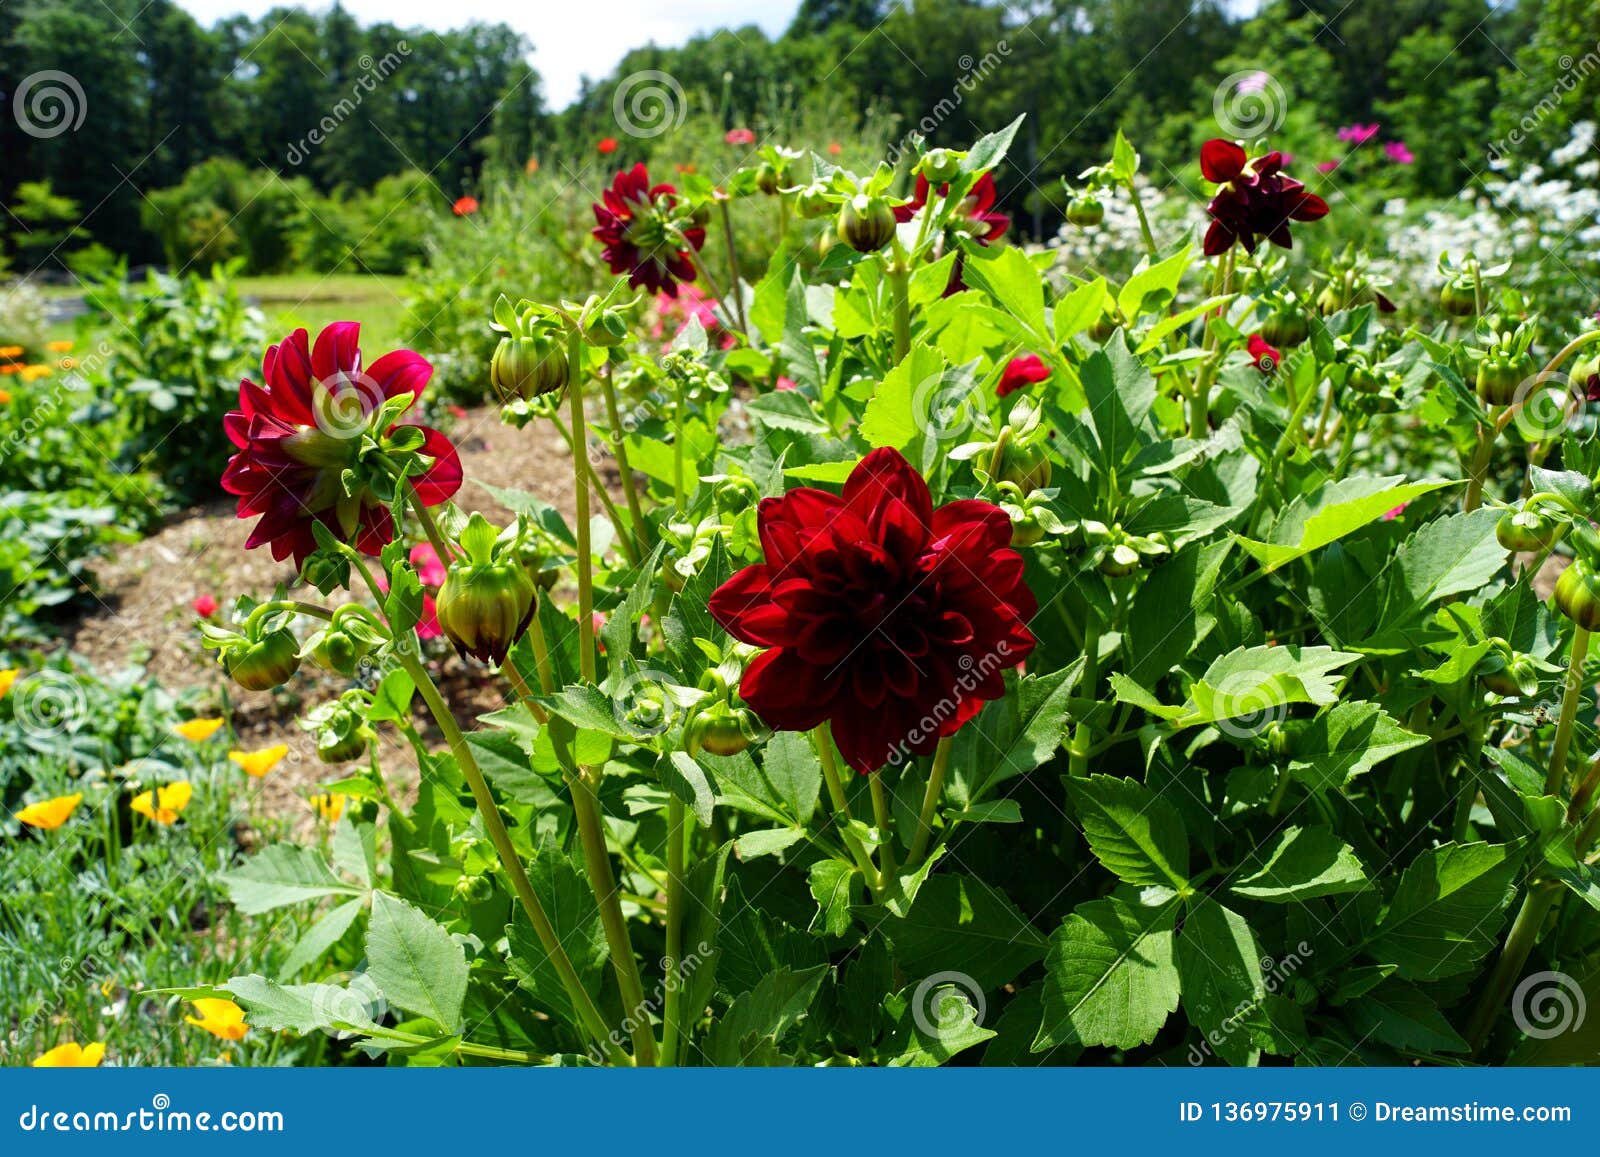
[571,38]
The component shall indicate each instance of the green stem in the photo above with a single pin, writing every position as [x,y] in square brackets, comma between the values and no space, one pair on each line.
[677,832]
[899,276]
[580,488]
[541,654]
[597,487]
[930,799]
[880,815]
[1519,944]
[1569,711]
[1144,222]
[1479,468]
[619,447]
[678,497]
[429,527]
[841,806]
[597,861]
[1082,738]
[733,265]
[495,826]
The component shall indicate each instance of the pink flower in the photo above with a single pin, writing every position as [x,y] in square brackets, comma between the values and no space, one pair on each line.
[1397,152]
[205,606]
[1391,515]
[1327,166]
[740,137]
[835,148]
[786,384]
[1358,134]
[1255,82]
[430,568]
[428,626]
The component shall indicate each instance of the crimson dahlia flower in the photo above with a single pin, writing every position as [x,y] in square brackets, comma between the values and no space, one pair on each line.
[890,619]
[311,450]
[1257,199]
[1264,354]
[983,223]
[644,234]
[1021,371]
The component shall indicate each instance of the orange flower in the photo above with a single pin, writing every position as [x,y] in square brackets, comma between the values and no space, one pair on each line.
[198,730]
[221,1018]
[328,805]
[258,763]
[10,368]
[532,166]
[8,676]
[58,347]
[164,804]
[72,1056]
[5,397]
[35,372]
[50,814]
[10,351]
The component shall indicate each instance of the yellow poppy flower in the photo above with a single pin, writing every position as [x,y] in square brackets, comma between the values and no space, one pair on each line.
[10,351]
[8,676]
[34,373]
[328,805]
[164,804]
[72,1056]
[198,730]
[258,763]
[50,814]
[58,347]
[220,1018]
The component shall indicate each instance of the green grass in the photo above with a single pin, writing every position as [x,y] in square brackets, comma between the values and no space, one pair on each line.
[313,300]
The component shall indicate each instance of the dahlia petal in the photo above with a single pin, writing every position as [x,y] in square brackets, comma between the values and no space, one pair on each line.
[883,481]
[337,352]
[1222,161]
[787,693]
[741,598]
[287,370]
[1219,239]
[441,480]
[401,372]
[376,530]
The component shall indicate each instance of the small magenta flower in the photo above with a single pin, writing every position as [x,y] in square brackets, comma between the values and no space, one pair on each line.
[1397,152]
[740,137]
[1358,134]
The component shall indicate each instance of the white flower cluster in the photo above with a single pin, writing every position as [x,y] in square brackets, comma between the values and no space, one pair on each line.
[23,320]
[1116,245]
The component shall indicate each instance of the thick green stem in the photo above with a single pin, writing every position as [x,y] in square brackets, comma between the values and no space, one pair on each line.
[541,654]
[880,815]
[1144,221]
[841,806]
[899,276]
[582,1002]
[597,860]
[1519,944]
[1569,712]
[679,499]
[580,488]
[629,548]
[734,284]
[619,447]
[677,833]
[1082,738]
[1479,468]
[430,528]
[930,800]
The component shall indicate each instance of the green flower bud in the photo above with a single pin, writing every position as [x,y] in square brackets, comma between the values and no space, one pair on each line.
[1525,530]
[813,202]
[474,889]
[266,663]
[1025,465]
[1459,297]
[1085,211]
[1285,328]
[487,599]
[527,367]
[1578,595]
[866,223]
[940,166]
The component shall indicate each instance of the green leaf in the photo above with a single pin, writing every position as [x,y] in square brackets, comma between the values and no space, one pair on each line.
[989,150]
[1043,713]
[833,885]
[416,963]
[787,410]
[799,356]
[791,766]
[1110,976]
[1329,513]
[962,924]
[1219,963]
[1121,391]
[1300,864]
[1402,1016]
[1137,835]
[568,901]
[1016,287]
[766,842]
[1447,556]
[283,874]
[1348,739]
[901,407]
[320,937]
[299,1008]
[932,1022]
[1246,683]
[1152,289]
[687,780]
[1447,910]
[758,1020]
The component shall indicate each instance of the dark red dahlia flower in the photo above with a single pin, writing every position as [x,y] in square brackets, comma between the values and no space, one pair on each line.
[1021,371]
[982,223]
[311,450]
[1257,199]
[1262,352]
[885,617]
[644,234]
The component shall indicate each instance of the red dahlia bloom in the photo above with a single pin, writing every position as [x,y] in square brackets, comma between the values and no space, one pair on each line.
[985,225]
[644,234]
[890,619]
[1256,199]
[308,439]
[1264,354]
[607,146]
[465,206]
[205,606]
[1021,371]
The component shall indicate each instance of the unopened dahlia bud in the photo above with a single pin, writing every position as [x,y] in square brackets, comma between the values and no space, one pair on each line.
[268,662]
[866,223]
[527,367]
[487,599]
[940,166]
